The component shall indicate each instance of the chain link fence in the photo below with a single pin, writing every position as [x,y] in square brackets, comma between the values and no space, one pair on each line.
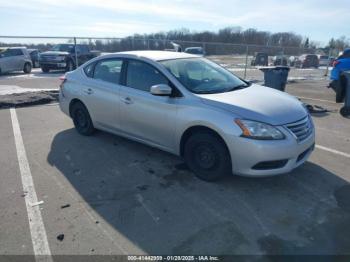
[240,59]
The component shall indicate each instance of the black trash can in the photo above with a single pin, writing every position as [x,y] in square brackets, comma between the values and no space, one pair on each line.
[345,110]
[275,76]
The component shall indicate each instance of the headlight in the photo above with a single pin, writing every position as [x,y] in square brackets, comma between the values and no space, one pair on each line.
[258,130]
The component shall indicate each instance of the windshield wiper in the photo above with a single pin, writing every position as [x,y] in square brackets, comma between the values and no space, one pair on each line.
[237,87]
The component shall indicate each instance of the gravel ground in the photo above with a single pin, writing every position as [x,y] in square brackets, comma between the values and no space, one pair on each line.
[28,99]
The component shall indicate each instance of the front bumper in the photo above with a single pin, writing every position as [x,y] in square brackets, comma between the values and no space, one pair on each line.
[246,154]
[53,65]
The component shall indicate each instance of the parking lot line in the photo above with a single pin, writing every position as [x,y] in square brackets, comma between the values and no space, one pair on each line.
[333,151]
[37,229]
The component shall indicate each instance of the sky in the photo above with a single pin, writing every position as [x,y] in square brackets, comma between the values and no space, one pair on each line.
[318,19]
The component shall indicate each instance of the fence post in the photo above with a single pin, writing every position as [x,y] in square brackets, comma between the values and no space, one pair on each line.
[75,53]
[246,62]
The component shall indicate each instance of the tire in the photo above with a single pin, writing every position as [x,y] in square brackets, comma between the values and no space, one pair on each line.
[82,120]
[45,69]
[27,68]
[207,156]
[345,111]
[340,90]
[69,66]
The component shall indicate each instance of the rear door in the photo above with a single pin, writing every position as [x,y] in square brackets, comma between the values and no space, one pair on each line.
[101,92]
[145,116]
[6,61]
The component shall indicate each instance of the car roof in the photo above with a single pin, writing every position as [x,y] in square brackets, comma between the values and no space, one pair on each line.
[156,55]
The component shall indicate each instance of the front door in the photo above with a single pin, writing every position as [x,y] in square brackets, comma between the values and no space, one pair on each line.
[143,115]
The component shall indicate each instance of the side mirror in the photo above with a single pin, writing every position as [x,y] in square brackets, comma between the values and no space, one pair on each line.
[161,90]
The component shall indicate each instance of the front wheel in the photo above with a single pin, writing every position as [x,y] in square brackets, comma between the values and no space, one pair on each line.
[82,120]
[45,69]
[27,68]
[340,89]
[207,156]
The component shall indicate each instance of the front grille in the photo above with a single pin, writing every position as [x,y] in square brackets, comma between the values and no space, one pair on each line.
[301,129]
[49,58]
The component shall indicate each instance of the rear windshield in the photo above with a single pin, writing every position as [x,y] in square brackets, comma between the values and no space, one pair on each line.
[194,51]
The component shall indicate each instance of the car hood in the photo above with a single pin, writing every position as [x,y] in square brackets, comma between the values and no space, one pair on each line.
[54,53]
[259,103]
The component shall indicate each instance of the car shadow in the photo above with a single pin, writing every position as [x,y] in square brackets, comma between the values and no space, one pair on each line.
[153,200]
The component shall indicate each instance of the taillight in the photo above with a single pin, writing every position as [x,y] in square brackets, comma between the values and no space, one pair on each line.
[63,79]
[335,62]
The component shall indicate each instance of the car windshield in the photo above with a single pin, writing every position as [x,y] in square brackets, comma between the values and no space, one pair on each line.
[201,76]
[196,51]
[63,48]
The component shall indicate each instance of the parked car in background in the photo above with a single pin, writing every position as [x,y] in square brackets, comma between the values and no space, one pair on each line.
[260,59]
[307,61]
[280,60]
[323,60]
[62,56]
[34,56]
[341,64]
[293,61]
[195,51]
[191,107]
[15,59]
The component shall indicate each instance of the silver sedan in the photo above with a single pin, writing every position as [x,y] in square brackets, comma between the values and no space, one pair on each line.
[193,108]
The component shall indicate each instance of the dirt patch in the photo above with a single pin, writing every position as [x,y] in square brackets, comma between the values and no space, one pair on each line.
[28,99]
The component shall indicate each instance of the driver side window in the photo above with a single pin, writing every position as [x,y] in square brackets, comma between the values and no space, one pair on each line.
[142,76]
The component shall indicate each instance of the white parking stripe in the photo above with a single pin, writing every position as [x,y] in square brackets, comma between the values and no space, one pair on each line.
[333,151]
[36,225]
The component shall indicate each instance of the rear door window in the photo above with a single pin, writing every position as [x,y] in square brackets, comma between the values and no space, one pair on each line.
[89,70]
[108,70]
[15,52]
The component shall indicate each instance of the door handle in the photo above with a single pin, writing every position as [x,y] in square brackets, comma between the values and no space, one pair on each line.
[127,100]
[89,91]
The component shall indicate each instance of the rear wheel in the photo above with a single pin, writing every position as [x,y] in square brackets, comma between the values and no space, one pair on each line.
[207,156]
[27,68]
[82,120]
